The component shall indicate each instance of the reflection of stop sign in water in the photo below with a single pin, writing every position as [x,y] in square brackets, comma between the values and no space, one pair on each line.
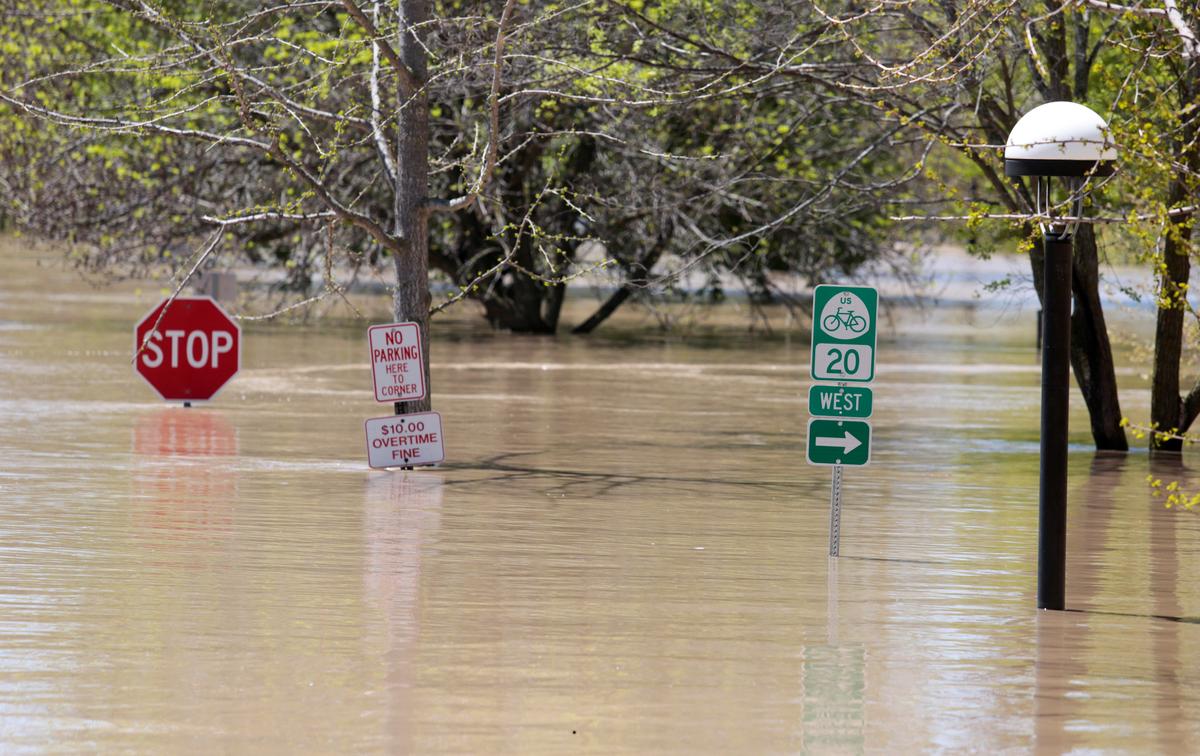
[194,350]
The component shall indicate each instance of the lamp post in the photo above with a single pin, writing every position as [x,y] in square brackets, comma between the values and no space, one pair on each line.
[1060,145]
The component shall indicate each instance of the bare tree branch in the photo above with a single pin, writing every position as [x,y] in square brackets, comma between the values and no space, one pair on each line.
[212,243]
[1116,8]
[408,81]
[125,126]
[1190,48]
[493,143]
[257,217]
[381,143]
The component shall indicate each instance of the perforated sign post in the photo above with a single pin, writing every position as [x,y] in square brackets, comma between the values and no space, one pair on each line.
[843,351]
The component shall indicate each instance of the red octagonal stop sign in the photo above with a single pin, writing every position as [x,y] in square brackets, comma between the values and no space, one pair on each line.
[192,352]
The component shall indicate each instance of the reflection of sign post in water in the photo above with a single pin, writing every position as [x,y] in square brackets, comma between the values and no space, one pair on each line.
[832,708]
[186,475]
[843,350]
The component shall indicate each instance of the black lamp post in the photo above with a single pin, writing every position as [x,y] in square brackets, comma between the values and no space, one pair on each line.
[1061,145]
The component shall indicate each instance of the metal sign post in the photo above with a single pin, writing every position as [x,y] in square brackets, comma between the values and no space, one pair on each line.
[843,350]
[835,512]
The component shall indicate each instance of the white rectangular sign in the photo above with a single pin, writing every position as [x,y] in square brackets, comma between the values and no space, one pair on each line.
[405,440]
[842,362]
[397,364]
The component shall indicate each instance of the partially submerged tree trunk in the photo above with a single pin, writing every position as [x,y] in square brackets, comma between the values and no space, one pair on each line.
[528,306]
[1166,407]
[514,257]
[412,298]
[636,277]
[1169,412]
[1091,351]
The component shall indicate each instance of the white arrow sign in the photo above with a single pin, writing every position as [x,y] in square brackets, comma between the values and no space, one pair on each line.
[847,444]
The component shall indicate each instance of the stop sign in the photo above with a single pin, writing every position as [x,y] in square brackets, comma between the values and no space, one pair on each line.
[192,351]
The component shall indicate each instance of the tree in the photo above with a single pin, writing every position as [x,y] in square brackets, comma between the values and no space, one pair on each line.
[1156,103]
[960,74]
[562,129]
[722,168]
[282,97]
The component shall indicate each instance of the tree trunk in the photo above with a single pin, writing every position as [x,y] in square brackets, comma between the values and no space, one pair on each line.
[615,300]
[522,312]
[1091,351]
[1165,405]
[1167,408]
[412,298]
[552,308]
[636,277]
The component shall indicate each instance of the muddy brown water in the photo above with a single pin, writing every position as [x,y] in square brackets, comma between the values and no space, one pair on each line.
[625,554]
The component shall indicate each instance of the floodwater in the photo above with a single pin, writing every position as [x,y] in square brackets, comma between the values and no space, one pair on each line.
[626,552]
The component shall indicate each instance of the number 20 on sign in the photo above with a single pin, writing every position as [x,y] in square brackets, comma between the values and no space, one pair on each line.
[844,330]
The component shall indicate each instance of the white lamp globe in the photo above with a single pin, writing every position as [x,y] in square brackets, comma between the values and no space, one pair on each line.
[1059,139]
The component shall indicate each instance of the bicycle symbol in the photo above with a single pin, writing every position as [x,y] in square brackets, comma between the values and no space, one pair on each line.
[844,318]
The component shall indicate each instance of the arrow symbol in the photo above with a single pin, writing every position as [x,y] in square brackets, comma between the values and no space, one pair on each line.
[848,444]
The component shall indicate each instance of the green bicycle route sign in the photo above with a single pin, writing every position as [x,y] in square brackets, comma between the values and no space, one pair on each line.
[839,442]
[843,340]
[843,353]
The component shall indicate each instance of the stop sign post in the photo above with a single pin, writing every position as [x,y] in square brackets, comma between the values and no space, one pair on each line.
[191,352]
